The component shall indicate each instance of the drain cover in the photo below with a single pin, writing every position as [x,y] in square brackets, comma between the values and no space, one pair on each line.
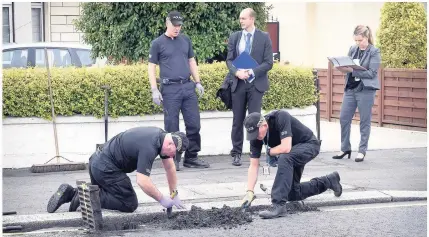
[90,206]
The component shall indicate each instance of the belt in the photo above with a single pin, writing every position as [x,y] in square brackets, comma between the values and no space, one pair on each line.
[180,81]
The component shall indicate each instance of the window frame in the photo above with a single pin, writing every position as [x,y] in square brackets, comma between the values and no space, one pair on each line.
[39,5]
[9,5]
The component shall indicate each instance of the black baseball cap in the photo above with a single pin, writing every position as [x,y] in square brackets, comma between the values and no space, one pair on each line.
[181,141]
[176,18]
[252,123]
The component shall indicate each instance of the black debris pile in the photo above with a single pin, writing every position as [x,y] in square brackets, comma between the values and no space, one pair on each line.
[292,208]
[225,217]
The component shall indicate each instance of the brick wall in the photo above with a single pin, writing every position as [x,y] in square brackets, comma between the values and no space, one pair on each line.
[61,16]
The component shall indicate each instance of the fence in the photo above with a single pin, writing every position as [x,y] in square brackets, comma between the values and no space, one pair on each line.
[401,99]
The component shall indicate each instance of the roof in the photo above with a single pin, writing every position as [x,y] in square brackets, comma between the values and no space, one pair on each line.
[46,44]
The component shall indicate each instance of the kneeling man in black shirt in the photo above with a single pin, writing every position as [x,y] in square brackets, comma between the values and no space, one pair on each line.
[295,145]
[134,149]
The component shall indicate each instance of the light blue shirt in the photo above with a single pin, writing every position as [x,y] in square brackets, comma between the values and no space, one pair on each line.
[242,45]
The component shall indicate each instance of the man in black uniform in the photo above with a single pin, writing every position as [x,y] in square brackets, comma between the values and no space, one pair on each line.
[295,145]
[134,149]
[173,53]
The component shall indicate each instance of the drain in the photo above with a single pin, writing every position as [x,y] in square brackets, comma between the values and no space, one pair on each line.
[90,206]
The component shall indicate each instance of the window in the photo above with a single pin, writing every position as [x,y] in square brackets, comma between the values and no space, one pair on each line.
[7,23]
[56,58]
[85,57]
[15,58]
[37,21]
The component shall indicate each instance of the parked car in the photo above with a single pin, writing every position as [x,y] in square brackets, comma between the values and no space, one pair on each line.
[59,55]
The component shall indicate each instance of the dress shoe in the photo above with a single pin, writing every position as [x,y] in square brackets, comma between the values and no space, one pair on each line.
[276,210]
[195,162]
[340,156]
[360,157]
[236,160]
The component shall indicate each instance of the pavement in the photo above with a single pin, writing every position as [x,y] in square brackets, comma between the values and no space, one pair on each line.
[77,139]
[386,176]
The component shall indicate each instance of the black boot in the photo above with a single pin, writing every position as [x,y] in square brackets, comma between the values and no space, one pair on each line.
[74,203]
[195,163]
[276,210]
[63,195]
[334,181]
[236,160]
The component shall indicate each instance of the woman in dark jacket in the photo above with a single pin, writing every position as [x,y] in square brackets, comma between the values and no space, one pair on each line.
[359,91]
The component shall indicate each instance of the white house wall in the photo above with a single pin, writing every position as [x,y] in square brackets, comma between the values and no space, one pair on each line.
[23,30]
[310,32]
[62,15]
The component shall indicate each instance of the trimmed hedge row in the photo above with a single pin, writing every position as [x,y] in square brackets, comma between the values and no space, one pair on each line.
[77,90]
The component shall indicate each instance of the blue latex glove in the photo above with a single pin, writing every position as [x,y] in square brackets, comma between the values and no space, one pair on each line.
[178,203]
[200,89]
[271,160]
[156,96]
[166,202]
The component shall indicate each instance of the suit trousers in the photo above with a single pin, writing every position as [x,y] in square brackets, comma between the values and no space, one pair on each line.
[245,97]
[363,99]
[116,189]
[287,184]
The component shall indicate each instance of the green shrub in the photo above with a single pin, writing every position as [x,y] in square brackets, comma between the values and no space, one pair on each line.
[77,90]
[125,29]
[402,35]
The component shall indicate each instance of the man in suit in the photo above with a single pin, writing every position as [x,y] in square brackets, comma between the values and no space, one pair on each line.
[248,85]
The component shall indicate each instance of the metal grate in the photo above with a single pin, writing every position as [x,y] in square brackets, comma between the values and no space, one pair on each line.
[90,206]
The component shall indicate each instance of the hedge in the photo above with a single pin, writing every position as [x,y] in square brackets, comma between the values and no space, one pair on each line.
[77,90]
[402,35]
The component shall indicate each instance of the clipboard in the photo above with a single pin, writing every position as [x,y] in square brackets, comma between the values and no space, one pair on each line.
[345,61]
[245,61]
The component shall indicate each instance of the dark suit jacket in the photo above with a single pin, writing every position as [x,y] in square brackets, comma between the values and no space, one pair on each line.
[371,60]
[261,51]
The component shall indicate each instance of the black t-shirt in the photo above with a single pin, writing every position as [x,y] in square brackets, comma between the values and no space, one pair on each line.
[281,125]
[134,149]
[172,56]
[351,82]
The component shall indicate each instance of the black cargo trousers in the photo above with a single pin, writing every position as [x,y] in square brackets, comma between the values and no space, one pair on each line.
[180,95]
[287,183]
[116,189]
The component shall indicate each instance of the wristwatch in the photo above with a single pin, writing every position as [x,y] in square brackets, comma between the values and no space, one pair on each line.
[268,151]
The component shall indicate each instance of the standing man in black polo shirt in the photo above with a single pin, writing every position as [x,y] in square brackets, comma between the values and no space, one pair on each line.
[295,145]
[248,85]
[173,53]
[129,151]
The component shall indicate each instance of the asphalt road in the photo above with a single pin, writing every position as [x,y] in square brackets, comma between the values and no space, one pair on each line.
[392,219]
[401,169]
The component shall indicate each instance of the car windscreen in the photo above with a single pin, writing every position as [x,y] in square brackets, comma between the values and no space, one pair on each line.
[16,58]
[85,57]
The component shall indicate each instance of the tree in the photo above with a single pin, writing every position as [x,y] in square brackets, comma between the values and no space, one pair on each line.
[402,35]
[125,29]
